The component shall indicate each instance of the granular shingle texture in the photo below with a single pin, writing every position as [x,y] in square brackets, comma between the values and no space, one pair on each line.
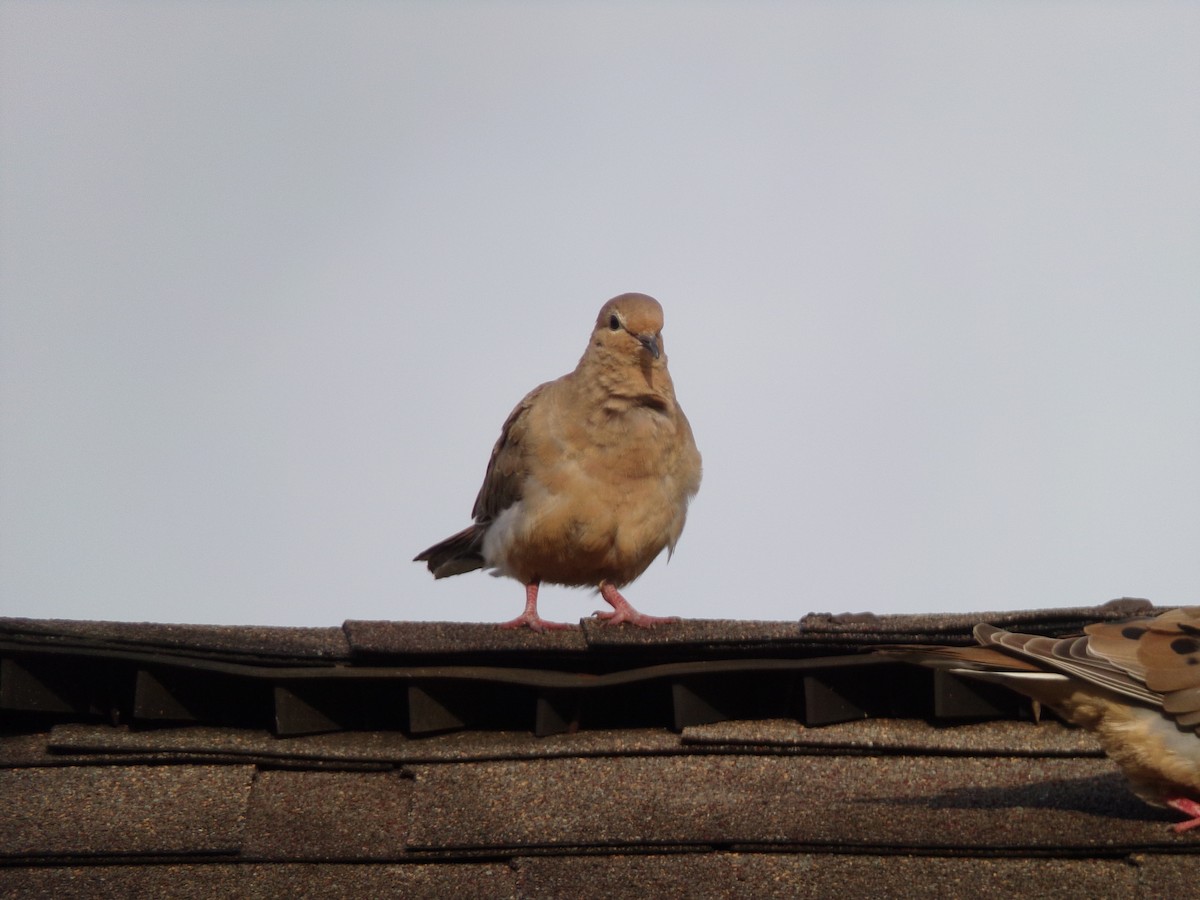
[327,816]
[262,881]
[746,876]
[916,803]
[711,759]
[124,810]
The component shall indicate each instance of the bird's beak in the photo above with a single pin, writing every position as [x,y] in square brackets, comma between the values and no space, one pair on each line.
[650,342]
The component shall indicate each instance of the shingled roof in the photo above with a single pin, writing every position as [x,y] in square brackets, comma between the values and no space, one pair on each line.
[708,758]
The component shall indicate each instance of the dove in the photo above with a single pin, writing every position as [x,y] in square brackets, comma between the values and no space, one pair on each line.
[591,477]
[1134,684]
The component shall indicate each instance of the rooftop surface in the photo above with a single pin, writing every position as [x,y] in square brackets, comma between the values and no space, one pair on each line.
[421,759]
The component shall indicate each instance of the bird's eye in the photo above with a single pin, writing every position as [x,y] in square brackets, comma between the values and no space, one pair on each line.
[613,322]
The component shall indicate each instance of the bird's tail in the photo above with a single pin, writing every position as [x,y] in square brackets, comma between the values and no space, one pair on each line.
[970,659]
[462,552]
[987,663]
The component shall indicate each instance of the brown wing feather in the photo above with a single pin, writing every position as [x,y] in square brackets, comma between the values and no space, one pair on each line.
[1067,656]
[1118,643]
[504,480]
[981,658]
[503,484]
[1170,652]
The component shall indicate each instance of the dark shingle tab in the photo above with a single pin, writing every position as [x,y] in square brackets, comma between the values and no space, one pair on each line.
[485,881]
[739,876]
[75,743]
[446,640]
[1004,738]
[751,876]
[232,641]
[408,639]
[701,634]
[916,802]
[318,816]
[920,628]
[123,810]
[347,748]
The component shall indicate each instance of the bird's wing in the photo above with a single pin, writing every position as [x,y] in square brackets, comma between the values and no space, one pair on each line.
[1169,652]
[504,481]
[1070,656]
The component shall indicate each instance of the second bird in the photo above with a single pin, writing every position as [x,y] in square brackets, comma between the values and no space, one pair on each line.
[591,477]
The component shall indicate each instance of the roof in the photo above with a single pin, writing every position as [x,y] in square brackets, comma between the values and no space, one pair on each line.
[425,759]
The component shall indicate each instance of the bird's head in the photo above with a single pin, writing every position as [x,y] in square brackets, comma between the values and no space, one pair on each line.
[629,327]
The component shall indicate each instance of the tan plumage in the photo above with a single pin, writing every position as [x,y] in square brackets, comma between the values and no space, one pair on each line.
[591,477]
[1135,684]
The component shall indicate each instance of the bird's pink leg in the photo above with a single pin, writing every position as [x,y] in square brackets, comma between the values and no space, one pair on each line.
[530,618]
[623,612]
[1188,808]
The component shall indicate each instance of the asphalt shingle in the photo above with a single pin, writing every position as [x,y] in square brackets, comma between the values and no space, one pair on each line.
[486,881]
[898,802]
[123,810]
[805,875]
[318,816]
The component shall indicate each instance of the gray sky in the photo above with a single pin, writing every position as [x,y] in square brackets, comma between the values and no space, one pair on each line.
[272,276]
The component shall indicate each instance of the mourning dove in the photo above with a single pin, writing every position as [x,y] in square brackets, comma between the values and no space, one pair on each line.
[591,477]
[1135,684]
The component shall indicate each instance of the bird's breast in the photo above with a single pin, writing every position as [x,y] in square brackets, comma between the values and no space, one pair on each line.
[586,520]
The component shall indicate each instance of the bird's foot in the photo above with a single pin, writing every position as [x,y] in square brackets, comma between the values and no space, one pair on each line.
[633,617]
[534,622]
[530,618]
[1188,808]
[622,612]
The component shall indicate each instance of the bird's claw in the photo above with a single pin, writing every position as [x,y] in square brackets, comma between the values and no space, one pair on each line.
[536,623]
[622,612]
[1188,808]
[633,617]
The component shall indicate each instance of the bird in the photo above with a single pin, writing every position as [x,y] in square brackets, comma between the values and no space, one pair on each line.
[1134,684]
[591,477]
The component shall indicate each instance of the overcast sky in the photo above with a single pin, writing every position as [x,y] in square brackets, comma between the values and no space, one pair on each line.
[272,275]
